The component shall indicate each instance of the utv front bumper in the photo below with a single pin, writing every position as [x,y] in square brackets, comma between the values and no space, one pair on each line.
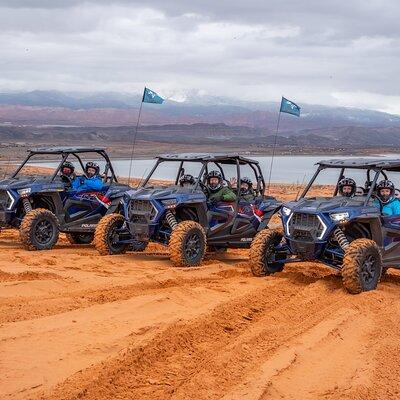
[140,232]
[6,218]
[305,250]
[142,215]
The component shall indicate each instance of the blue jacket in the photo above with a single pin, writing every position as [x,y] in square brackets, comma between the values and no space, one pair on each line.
[83,184]
[392,207]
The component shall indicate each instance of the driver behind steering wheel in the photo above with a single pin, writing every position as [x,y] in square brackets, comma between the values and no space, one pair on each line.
[67,171]
[187,180]
[90,181]
[347,187]
[218,192]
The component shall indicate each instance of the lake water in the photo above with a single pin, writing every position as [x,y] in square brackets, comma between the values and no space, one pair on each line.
[286,169]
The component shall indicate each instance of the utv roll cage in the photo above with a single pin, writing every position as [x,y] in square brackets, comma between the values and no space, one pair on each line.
[378,166]
[218,159]
[65,152]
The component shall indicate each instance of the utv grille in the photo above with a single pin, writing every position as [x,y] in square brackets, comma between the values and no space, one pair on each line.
[306,227]
[5,200]
[141,211]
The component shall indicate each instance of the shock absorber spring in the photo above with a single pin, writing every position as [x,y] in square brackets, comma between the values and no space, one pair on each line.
[341,238]
[27,205]
[171,219]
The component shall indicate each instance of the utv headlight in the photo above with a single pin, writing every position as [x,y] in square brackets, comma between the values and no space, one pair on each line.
[10,203]
[286,211]
[339,217]
[24,192]
[170,203]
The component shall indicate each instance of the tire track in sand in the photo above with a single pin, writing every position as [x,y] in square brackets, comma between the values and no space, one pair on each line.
[209,355]
[44,351]
[22,309]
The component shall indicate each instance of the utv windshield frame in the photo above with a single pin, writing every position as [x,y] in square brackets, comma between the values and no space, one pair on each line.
[379,166]
[218,160]
[65,153]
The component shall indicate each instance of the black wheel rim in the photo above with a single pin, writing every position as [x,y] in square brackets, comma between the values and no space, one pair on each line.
[113,238]
[369,270]
[44,232]
[192,246]
[270,263]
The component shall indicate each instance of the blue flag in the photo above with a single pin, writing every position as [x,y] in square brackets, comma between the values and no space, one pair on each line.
[151,97]
[289,107]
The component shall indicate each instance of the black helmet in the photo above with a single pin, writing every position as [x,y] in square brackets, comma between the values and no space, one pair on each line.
[214,174]
[248,182]
[347,182]
[69,165]
[187,179]
[385,184]
[94,165]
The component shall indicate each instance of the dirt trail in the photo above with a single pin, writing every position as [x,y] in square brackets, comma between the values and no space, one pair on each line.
[76,325]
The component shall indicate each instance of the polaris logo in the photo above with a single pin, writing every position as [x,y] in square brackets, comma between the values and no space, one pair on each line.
[88,225]
[246,239]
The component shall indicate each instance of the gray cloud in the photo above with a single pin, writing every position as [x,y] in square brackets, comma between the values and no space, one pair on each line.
[318,52]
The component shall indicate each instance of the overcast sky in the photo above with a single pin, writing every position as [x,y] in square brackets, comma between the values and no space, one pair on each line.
[322,52]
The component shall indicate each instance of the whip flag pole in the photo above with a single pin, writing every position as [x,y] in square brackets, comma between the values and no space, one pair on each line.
[288,107]
[149,96]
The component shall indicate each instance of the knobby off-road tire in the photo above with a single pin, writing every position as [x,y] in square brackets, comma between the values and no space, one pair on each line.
[362,266]
[261,248]
[105,235]
[80,238]
[39,230]
[187,244]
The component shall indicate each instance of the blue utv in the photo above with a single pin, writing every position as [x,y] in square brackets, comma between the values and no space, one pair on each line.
[183,218]
[41,205]
[348,234]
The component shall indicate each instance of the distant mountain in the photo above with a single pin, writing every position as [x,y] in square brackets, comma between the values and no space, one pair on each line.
[115,109]
[214,135]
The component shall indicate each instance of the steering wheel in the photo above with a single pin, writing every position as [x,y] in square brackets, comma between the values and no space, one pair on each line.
[67,180]
[204,188]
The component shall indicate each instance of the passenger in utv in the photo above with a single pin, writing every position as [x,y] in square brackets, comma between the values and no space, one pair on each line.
[387,201]
[217,192]
[187,180]
[246,189]
[347,187]
[90,181]
[68,170]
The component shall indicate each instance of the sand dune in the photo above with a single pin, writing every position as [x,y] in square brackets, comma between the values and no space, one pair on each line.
[74,325]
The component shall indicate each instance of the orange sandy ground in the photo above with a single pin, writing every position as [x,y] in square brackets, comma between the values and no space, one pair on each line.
[74,325]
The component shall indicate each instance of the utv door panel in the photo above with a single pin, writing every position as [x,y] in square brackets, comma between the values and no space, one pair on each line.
[83,207]
[391,249]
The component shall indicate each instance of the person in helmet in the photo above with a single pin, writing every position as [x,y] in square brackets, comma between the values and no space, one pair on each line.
[187,180]
[246,189]
[347,187]
[387,201]
[218,192]
[68,170]
[90,181]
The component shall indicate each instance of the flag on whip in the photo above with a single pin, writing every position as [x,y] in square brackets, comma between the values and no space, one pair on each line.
[288,107]
[149,96]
